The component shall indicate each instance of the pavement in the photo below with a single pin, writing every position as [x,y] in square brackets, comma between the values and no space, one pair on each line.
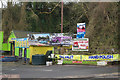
[18,70]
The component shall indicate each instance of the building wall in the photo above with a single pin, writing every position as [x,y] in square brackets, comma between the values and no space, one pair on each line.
[17,52]
[12,35]
[6,46]
[39,50]
[1,39]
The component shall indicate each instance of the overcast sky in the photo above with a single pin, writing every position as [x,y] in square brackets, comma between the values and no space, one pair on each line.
[65,1]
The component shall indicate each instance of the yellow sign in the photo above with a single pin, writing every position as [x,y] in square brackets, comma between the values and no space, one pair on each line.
[103,57]
[70,57]
[21,43]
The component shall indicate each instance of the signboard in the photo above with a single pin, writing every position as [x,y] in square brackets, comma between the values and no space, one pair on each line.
[101,63]
[81,44]
[39,38]
[21,43]
[12,39]
[80,30]
[103,57]
[76,61]
[70,57]
[61,38]
[99,57]
[51,38]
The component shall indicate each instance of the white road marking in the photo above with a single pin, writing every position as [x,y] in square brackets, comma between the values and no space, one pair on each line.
[48,70]
[93,75]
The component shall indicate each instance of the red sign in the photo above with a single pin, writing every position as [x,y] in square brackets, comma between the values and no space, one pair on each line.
[80,44]
[76,61]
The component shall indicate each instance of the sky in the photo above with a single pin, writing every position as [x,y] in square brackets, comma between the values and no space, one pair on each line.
[5,2]
[65,1]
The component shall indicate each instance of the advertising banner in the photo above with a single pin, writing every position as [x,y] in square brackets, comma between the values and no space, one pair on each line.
[70,57]
[39,38]
[81,44]
[51,39]
[103,57]
[21,43]
[79,58]
[102,63]
[12,39]
[61,38]
[80,30]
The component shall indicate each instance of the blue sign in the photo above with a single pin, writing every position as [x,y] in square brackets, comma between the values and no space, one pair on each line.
[81,30]
[101,57]
[81,35]
[21,43]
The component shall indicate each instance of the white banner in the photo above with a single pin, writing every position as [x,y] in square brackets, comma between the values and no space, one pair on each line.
[81,44]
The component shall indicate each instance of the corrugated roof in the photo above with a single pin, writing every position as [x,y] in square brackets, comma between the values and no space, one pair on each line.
[23,34]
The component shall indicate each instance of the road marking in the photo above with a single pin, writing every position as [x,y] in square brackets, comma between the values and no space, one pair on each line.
[107,74]
[93,75]
[48,70]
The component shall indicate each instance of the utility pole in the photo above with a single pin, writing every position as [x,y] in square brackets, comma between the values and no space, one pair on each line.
[61,16]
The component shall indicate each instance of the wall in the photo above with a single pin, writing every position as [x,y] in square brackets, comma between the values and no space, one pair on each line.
[6,46]
[1,39]
[12,35]
[39,50]
[17,52]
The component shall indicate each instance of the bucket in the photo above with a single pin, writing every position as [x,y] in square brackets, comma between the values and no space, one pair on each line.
[47,63]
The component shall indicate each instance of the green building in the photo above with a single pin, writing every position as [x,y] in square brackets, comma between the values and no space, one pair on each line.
[10,45]
[1,39]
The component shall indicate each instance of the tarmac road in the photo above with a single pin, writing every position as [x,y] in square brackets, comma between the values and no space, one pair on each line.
[18,70]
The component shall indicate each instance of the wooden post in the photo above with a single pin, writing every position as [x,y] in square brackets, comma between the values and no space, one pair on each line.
[62,16]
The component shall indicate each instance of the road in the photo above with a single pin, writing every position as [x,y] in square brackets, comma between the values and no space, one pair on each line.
[18,70]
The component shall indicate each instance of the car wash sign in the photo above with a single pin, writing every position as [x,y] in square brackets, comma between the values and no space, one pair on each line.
[81,44]
[69,57]
[101,57]
[21,43]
